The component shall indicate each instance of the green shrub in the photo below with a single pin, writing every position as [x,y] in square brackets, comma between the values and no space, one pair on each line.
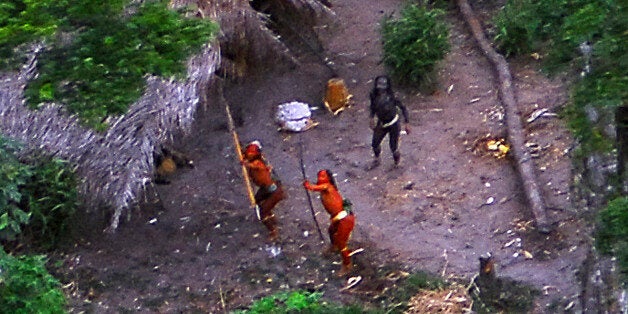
[553,27]
[23,21]
[584,21]
[414,43]
[37,198]
[52,200]
[612,232]
[27,287]
[98,56]
[13,176]
[517,26]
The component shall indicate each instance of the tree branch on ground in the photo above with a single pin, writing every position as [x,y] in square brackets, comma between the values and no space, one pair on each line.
[516,135]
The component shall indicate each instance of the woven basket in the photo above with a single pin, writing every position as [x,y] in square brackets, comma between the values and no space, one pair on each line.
[336,96]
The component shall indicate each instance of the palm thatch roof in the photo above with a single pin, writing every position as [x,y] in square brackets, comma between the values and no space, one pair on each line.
[115,167]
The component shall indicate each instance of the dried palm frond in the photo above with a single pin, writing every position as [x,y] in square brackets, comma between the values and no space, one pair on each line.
[454,300]
[115,167]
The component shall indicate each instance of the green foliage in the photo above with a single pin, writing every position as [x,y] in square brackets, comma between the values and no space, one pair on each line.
[414,43]
[599,90]
[517,25]
[27,287]
[297,302]
[286,302]
[558,27]
[13,176]
[612,232]
[607,85]
[524,26]
[52,200]
[23,21]
[422,280]
[36,198]
[97,61]
[394,301]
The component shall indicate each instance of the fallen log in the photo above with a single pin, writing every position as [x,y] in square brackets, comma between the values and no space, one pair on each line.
[516,135]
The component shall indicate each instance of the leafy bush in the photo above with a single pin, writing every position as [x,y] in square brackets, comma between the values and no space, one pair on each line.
[612,233]
[23,21]
[524,26]
[414,43]
[99,56]
[27,287]
[36,198]
[13,176]
[516,25]
[52,200]
[556,28]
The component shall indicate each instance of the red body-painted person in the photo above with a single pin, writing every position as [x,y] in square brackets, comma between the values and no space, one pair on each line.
[342,218]
[270,191]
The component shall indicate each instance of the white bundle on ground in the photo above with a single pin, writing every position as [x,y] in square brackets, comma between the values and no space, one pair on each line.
[294,116]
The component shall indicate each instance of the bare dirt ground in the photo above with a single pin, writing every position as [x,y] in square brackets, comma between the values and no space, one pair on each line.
[203,250]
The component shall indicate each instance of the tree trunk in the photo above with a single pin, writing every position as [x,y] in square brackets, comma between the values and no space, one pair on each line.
[516,136]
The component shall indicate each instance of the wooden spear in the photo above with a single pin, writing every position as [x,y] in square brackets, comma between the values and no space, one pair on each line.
[238,148]
[309,198]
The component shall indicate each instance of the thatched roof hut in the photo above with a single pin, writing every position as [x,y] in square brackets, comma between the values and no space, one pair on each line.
[116,166]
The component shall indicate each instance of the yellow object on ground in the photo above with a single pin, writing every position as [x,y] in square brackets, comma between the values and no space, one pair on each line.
[336,96]
[167,166]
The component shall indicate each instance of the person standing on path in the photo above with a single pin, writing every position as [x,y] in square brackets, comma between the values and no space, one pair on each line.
[342,217]
[385,111]
[270,190]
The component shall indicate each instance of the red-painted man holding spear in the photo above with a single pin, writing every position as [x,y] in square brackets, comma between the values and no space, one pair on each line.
[342,217]
[270,191]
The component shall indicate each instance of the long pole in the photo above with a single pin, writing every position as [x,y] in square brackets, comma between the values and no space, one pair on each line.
[309,198]
[238,148]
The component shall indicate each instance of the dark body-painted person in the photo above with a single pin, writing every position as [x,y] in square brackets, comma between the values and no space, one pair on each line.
[386,111]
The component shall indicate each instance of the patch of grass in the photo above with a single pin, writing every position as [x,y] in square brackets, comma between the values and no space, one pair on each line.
[416,281]
[415,43]
[393,300]
[297,302]
[97,55]
[398,298]
[612,233]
